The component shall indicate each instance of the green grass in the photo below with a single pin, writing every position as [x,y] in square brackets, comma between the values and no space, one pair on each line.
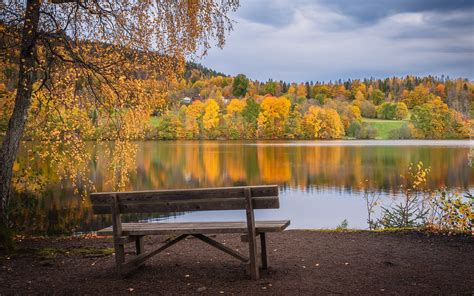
[154,121]
[384,126]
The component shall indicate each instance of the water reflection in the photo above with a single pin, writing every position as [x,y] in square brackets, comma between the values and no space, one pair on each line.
[323,178]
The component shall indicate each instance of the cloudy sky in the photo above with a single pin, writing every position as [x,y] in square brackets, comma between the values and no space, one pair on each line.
[303,40]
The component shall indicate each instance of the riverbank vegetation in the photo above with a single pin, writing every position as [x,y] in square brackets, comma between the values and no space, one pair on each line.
[419,207]
[204,104]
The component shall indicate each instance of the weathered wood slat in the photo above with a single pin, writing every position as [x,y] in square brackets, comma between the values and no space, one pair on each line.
[253,259]
[268,202]
[263,250]
[196,227]
[183,194]
[117,231]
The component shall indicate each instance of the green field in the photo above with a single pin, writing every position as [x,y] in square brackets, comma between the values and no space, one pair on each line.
[384,126]
[154,120]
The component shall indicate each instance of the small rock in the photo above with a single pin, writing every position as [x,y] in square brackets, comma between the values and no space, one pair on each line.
[46,263]
[201,289]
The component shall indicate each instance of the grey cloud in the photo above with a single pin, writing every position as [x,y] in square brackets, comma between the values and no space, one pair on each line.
[267,12]
[372,11]
[313,40]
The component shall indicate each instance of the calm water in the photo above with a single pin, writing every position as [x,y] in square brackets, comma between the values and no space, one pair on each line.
[320,182]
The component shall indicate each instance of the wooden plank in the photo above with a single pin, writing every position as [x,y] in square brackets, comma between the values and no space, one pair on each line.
[254,270]
[140,259]
[196,227]
[221,247]
[263,250]
[268,202]
[183,194]
[117,232]
[139,245]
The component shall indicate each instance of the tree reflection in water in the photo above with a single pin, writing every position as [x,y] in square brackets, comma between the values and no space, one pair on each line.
[52,203]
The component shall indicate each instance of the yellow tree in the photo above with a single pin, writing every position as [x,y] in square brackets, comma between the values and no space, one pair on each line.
[418,96]
[292,90]
[312,122]
[359,96]
[401,111]
[211,119]
[193,124]
[332,127]
[301,91]
[272,117]
[322,123]
[102,41]
[234,119]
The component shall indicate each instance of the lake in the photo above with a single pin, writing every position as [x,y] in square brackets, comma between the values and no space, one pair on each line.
[321,182]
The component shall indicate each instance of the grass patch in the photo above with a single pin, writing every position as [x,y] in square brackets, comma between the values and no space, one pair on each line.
[83,251]
[384,127]
[52,252]
[154,121]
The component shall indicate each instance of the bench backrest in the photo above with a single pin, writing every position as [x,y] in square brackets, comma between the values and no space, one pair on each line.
[183,200]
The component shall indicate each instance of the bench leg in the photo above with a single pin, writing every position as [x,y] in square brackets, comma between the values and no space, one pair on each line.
[263,249]
[119,256]
[139,245]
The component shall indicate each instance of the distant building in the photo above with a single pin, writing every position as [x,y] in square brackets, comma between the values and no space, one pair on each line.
[186,100]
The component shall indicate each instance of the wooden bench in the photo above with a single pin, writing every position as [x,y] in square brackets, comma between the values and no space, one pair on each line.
[208,199]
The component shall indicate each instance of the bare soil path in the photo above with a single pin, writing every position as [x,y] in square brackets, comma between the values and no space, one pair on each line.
[302,262]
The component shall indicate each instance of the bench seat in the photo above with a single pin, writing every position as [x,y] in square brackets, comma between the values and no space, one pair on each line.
[139,229]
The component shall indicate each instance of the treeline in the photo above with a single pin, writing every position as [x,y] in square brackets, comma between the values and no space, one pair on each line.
[205,104]
[238,108]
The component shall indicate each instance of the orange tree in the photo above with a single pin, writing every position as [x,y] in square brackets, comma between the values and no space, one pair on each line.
[77,54]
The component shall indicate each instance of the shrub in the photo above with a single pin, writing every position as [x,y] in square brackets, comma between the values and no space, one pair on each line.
[404,132]
[452,211]
[367,131]
[386,111]
[353,129]
[412,210]
[420,207]
[367,109]
[166,128]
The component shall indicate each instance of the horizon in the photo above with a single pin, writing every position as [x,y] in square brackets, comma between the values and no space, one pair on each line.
[331,40]
[441,77]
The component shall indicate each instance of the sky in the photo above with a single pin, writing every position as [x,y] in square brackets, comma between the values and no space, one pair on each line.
[322,40]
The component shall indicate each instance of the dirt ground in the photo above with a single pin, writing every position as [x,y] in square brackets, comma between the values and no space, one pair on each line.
[301,262]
